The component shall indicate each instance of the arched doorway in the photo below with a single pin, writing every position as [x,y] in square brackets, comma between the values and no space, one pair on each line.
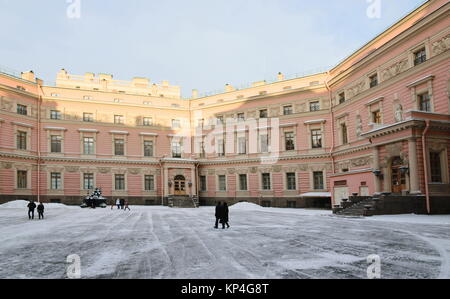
[179,185]
[398,176]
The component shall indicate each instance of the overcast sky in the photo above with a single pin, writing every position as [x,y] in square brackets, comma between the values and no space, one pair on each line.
[201,44]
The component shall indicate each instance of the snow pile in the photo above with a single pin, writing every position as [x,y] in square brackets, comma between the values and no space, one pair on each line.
[246,206]
[22,204]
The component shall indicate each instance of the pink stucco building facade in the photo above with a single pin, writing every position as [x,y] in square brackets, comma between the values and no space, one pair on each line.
[377,122]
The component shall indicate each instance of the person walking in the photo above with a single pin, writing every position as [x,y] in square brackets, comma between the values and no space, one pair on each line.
[218,214]
[127,206]
[31,208]
[122,203]
[40,210]
[225,213]
[118,203]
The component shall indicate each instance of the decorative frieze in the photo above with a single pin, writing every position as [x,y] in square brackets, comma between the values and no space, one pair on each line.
[104,170]
[394,69]
[441,45]
[72,169]
[362,161]
[356,89]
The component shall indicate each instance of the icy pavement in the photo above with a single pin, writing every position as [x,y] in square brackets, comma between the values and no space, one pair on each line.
[158,242]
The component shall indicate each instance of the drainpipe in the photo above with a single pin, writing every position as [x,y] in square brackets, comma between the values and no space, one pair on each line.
[332,122]
[39,144]
[162,181]
[425,166]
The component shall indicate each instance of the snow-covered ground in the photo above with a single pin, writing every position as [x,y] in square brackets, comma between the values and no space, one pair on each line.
[159,242]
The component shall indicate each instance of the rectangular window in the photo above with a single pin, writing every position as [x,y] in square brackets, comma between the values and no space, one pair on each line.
[263,113]
[149,182]
[22,109]
[342,97]
[22,140]
[119,182]
[316,138]
[119,147]
[202,149]
[55,180]
[148,148]
[376,117]
[22,179]
[222,183]
[56,142]
[318,180]
[88,146]
[424,102]
[344,134]
[147,121]
[420,56]
[219,120]
[243,182]
[291,183]
[201,123]
[435,165]
[266,185]
[314,106]
[264,140]
[241,117]
[287,110]
[88,117]
[373,80]
[203,183]
[176,124]
[88,181]
[289,141]
[118,119]
[176,149]
[220,147]
[55,114]
[242,144]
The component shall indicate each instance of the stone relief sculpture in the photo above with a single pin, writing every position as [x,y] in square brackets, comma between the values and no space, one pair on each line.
[398,112]
[357,89]
[359,125]
[441,45]
[394,69]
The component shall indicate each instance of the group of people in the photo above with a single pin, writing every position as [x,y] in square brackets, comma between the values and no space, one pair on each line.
[121,204]
[222,213]
[40,208]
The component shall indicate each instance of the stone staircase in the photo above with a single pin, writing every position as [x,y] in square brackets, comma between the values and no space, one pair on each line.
[183,201]
[356,207]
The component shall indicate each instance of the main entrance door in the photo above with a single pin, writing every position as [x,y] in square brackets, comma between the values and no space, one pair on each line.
[398,177]
[180,185]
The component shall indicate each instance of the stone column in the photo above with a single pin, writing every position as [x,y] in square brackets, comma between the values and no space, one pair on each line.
[166,182]
[376,166]
[413,167]
[194,182]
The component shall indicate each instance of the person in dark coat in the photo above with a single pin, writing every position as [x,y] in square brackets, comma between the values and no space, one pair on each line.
[225,213]
[122,203]
[31,208]
[127,207]
[218,214]
[40,210]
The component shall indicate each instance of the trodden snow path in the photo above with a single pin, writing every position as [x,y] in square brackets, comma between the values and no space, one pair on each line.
[159,242]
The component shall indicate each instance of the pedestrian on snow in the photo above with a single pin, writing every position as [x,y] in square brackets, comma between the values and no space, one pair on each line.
[127,206]
[40,210]
[218,214]
[122,203]
[31,208]
[118,203]
[225,213]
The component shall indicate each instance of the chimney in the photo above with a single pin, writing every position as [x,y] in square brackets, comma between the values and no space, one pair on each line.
[280,76]
[259,83]
[29,76]
[194,94]
[105,77]
[229,88]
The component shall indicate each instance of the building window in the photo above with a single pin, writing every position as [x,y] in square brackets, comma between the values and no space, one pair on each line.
[314,106]
[202,149]
[376,117]
[21,109]
[373,80]
[55,145]
[241,117]
[243,182]
[318,180]
[287,110]
[420,56]
[22,140]
[88,117]
[176,124]
[316,138]
[291,183]
[176,149]
[119,147]
[220,147]
[88,98]
[118,119]
[242,144]
[342,97]
[55,181]
[424,102]
[219,120]
[203,183]
[222,183]
[263,113]
[264,143]
[436,167]
[88,146]
[149,183]
[289,141]
[266,185]
[147,121]
[55,114]
[88,181]
[119,182]
[22,179]
[201,123]
[148,148]
[344,133]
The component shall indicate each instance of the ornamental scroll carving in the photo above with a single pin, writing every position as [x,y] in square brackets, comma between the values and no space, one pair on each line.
[394,69]
[441,45]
